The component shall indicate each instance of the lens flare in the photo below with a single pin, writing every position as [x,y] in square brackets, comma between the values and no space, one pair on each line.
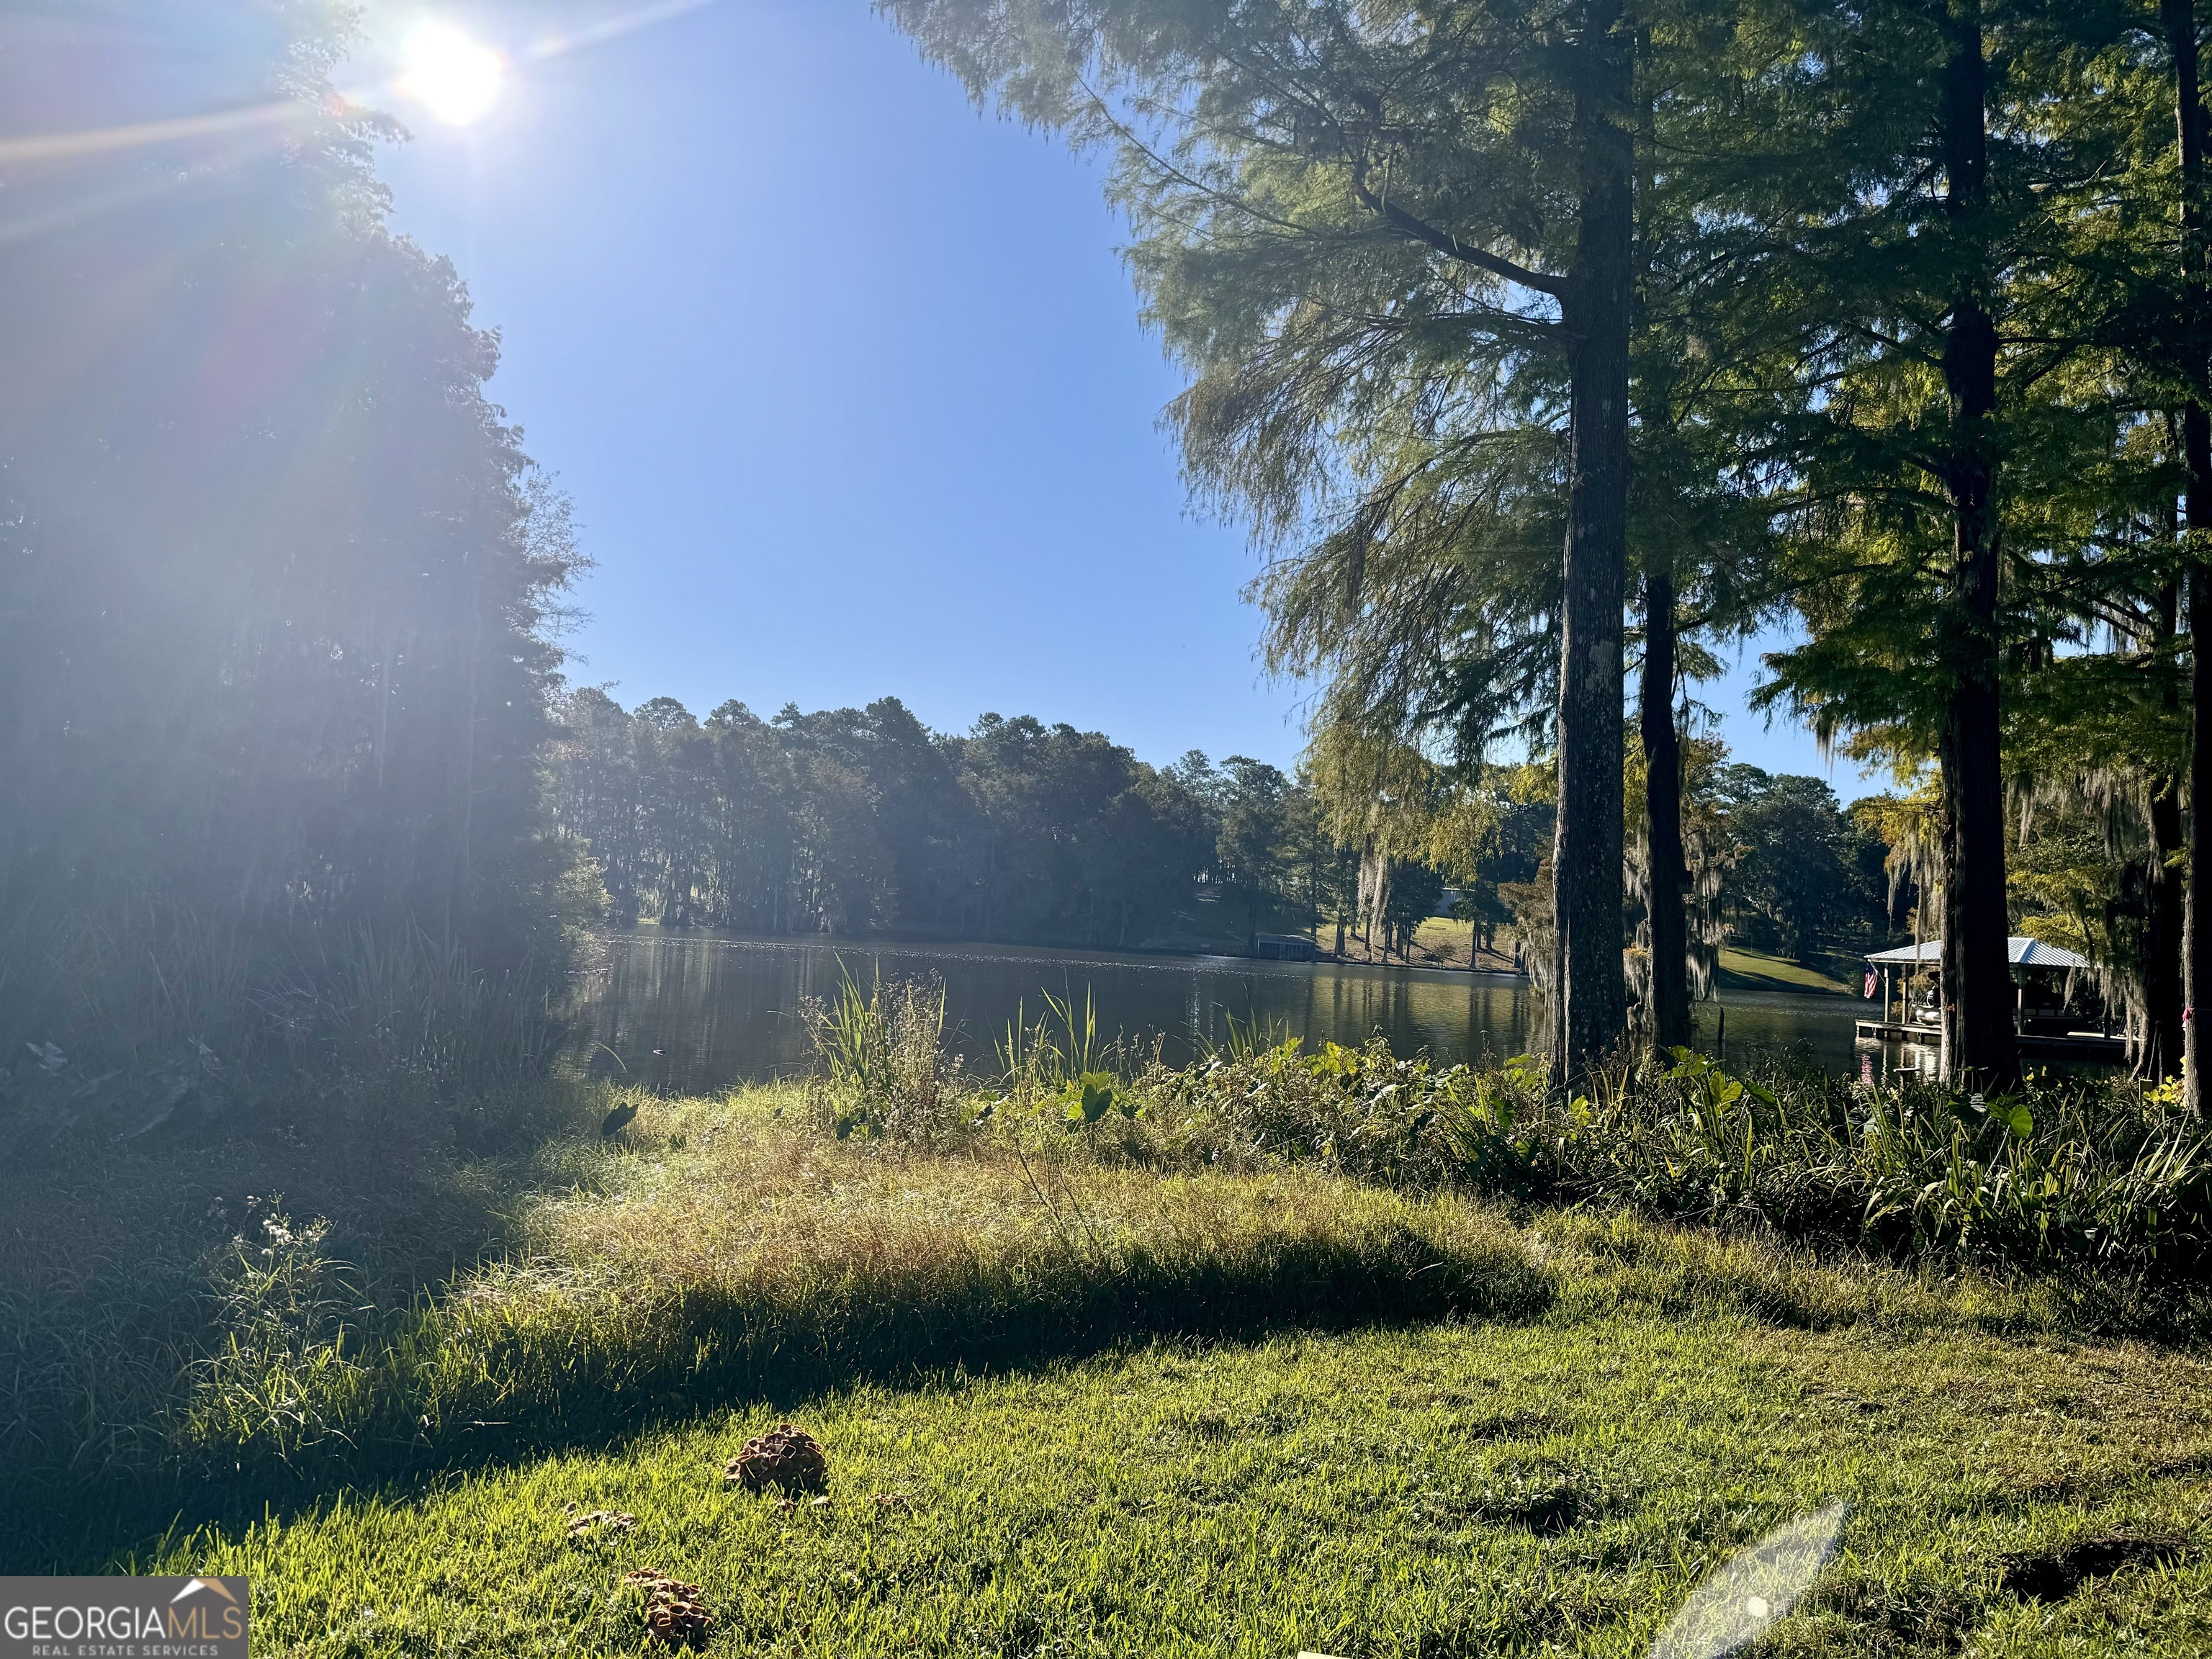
[455,78]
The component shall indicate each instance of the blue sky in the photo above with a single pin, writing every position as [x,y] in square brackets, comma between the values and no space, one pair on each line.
[847,383]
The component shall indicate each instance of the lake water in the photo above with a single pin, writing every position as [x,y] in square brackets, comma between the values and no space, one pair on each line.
[694,1012]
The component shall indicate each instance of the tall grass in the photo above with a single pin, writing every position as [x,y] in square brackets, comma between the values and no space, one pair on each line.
[731,1250]
[146,1017]
[2080,1170]
[407,1006]
[130,979]
[777,1263]
[2072,1171]
[885,1067]
[727,1250]
[176,1077]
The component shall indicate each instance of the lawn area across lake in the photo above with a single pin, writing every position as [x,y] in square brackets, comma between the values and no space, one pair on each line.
[1761,971]
[1072,1406]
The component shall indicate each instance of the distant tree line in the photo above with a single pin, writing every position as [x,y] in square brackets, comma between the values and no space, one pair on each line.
[850,821]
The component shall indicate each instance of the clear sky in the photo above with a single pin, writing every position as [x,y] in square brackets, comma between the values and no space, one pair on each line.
[846,381]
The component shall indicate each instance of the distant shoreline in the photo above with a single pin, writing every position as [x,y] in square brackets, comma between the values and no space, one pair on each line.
[1490,965]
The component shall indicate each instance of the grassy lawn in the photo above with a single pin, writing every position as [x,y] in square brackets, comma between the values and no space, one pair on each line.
[1078,1407]
[1549,1486]
[1756,971]
[1439,942]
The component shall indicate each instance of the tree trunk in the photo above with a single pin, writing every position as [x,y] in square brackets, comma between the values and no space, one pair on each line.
[1588,996]
[2163,997]
[2179,18]
[1978,1039]
[2197,910]
[1667,870]
[2166,894]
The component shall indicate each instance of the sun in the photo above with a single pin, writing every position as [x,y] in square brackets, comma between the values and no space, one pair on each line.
[455,78]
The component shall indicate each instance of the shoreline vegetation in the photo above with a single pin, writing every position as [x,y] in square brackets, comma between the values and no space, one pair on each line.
[404,1306]
[864,823]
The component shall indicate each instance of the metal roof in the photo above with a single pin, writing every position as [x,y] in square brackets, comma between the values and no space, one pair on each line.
[2021,951]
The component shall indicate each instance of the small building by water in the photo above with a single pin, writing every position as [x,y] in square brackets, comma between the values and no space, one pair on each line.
[1910,981]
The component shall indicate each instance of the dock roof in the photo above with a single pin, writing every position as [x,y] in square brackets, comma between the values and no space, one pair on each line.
[2023,953]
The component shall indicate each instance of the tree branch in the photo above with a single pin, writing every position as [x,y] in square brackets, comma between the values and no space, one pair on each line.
[1444,242]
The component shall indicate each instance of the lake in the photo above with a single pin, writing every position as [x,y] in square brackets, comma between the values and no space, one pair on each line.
[698,1012]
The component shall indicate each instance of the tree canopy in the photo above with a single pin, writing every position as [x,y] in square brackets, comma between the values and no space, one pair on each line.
[280,591]
[1891,321]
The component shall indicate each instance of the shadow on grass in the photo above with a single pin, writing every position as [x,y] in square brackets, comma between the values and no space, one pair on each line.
[460,1389]
[112,1293]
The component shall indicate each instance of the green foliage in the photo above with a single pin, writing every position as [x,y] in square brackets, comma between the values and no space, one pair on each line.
[886,1070]
[1094,1094]
[282,1380]
[199,1034]
[277,655]
[2070,1170]
[1804,874]
[846,820]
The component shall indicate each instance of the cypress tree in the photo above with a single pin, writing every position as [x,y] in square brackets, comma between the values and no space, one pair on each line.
[1331,198]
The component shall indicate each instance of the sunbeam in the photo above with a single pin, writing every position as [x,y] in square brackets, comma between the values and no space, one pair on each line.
[62,146]
[628,22]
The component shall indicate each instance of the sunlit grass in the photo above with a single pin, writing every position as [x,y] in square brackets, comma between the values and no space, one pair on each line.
[1452,1489]
[1762,971]
[1110,1407]
[733,1250]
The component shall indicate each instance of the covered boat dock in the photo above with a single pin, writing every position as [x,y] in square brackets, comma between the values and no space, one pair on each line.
[2057,1033]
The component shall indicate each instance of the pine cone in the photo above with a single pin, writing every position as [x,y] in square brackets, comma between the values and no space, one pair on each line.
[785,1456]
[675,1611]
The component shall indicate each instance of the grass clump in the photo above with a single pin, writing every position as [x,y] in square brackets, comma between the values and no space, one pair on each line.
[719,1250]
[753,1255]
[883,1066]
[2069,1172]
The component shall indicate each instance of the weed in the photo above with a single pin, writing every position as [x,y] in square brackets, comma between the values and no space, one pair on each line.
[886,1068]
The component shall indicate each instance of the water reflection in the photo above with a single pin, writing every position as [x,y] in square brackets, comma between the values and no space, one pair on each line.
[688,1012]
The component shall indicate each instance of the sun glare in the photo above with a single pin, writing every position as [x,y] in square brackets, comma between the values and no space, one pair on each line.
[455,78]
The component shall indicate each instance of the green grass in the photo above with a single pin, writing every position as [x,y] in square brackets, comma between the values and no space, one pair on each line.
[1455,1489]
[1439,942]
[1222,1405]
[1758,970]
